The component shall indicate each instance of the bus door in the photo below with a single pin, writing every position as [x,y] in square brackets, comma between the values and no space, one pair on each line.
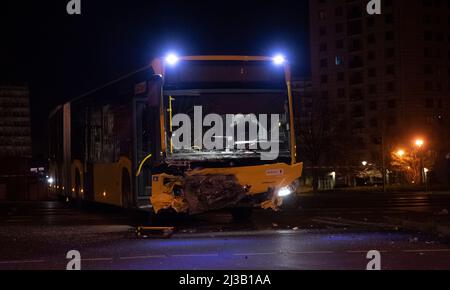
[144,139]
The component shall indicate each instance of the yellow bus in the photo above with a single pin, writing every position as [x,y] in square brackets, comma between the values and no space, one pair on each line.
[116,144]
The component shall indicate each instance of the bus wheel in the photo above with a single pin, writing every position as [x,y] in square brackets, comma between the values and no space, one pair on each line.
[241,213]
[77,187]
[127,199]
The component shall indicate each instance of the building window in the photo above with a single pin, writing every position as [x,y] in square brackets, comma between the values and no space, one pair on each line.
[390,70]
[340,76]
[356,61]
[390,52]
[392,121]
[389,19]
[339,11]
[356,95]
[392,104]
[372,89]
[341,93]
[323,63]
[322,31]
[371,55]
[372,72]
[339,28]
[428,69]
[338,60]
[371,38]
[354,27]
[356,78]
[373,123]
[355,45]
[323,47]
[339,44]
[390,87]
[389,35]
[373,106]
[324,79]
[322,15]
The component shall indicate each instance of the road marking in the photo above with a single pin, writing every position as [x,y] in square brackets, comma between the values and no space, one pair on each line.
[22,262]
[312,252]
[363,252]
[254,254]
[142,257]
[196,255]
[427,251]
[97,259]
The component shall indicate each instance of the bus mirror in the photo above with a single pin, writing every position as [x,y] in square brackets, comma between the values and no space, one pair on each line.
[154,90]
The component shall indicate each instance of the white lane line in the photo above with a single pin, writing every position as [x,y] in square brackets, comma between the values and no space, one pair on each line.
[22,261]
[142,257]
[311,252]
[255,254]
[96,259]
[363,252]
[427,251]
[196,255]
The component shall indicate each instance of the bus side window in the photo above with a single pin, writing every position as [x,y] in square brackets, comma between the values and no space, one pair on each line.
[154,90]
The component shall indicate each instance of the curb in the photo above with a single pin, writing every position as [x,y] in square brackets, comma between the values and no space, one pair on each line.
[425,227]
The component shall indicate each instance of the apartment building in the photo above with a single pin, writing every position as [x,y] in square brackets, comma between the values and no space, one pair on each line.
[386,77]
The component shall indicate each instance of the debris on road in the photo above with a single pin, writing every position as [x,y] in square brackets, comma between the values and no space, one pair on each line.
[443,212]
[154,232]
[413,240]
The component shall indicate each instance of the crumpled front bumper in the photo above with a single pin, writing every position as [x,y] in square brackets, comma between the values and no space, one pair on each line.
[215,188]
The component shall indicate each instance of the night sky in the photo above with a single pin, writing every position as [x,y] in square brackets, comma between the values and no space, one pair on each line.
[61,56]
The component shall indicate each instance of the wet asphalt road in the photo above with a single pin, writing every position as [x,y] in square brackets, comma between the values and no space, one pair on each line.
[321,232]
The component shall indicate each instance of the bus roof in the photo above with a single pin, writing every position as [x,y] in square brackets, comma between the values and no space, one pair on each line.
[158,63]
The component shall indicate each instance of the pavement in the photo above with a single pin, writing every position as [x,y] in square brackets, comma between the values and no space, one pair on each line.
[324,231]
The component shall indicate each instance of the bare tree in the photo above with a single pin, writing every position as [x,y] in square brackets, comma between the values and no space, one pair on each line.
[411,163]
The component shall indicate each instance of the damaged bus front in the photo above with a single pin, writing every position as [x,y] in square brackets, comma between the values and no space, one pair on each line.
[226,134]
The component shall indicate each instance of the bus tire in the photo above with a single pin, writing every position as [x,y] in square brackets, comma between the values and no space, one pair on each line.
[78,197]
[127,199]
[241,213]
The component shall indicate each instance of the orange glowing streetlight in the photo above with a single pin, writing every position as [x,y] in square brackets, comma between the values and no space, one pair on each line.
[400,153]
[419,143]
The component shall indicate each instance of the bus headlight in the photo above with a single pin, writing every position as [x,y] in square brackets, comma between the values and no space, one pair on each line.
[288,190]
[284,191]
[172,59]
[279,59]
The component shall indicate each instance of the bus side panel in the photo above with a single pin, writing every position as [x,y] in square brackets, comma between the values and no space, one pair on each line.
[107,185]
[56,132]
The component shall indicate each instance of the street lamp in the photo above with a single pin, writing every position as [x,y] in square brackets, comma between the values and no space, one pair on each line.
[364,163]
[425,172]
[400,153]
[419,143]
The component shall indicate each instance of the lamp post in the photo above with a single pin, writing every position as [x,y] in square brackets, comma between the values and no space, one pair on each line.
[419,144]
[400,154]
